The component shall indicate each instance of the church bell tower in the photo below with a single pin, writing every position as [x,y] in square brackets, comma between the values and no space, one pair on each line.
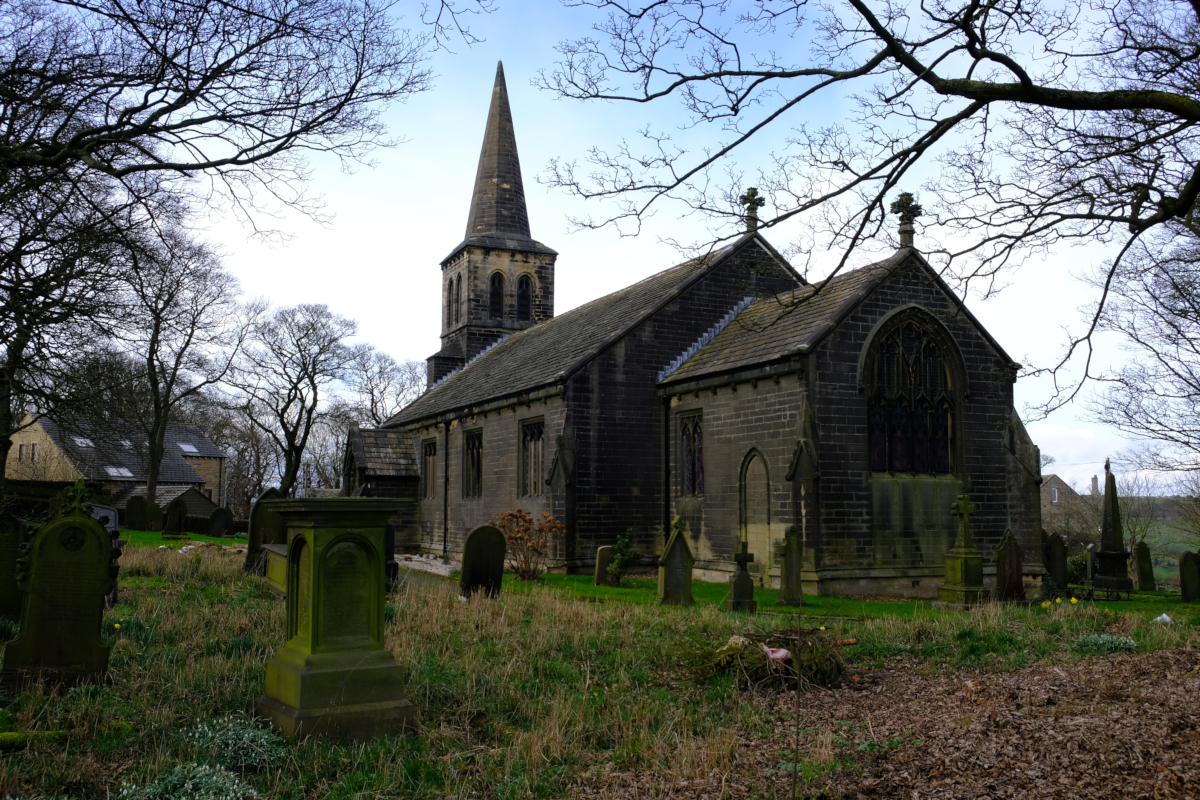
[498,280]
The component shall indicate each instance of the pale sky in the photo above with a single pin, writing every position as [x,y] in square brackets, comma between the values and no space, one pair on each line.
[378,260]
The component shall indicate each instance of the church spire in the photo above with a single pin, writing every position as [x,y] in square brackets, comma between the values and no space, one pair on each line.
[498,202]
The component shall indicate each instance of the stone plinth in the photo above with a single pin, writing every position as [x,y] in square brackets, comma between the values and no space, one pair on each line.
[334,677]
[964,564]
[276,555]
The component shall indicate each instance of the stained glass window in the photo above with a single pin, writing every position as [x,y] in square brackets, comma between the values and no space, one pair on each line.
[473,464]
[691,435]
[531,457]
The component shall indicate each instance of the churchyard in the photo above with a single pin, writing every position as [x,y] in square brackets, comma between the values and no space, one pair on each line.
[560,688]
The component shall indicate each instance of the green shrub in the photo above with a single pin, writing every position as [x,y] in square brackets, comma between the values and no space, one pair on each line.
[1077,568]
[192,782]
[238,742]
[1105,643]
[8,630]
[623,557]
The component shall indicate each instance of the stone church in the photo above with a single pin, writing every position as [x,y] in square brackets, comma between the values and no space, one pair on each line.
[724,390]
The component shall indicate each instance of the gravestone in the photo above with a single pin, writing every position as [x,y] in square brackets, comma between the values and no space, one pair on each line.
[135,514]
[741,585]
[266,527]
[790,555]
[1090,552]
[964,564]
[12,536]
[1009,568]
[334,677]
[175,518]
[154,517]
[1189,577]
[1056,562]
[675,568]
[65,571]
[603,559]
[483,562]
[1145,568]
[1112,564]
[220,522]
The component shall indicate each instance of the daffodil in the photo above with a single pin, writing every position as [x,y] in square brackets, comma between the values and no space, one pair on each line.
[117,625]
[822,627]
[1058,599]
[1074,600]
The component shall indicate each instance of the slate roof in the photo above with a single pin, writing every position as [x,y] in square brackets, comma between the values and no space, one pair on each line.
[769,330]
[121,445]
[552,349]
[383,452]
[197,504]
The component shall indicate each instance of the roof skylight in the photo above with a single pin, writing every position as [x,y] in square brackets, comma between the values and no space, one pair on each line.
[83,441]
[188,448]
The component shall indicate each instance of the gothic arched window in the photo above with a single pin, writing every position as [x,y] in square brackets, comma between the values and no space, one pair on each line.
[524,299]
[910,406]
[496,297]
[457,299]
[450,303]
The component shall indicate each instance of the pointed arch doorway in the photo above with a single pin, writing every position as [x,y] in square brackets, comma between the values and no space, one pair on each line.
[755,494]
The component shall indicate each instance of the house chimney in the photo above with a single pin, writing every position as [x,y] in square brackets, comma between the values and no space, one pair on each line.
[906,207]
[1095,485]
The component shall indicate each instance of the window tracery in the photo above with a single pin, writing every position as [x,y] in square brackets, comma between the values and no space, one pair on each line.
[496,297]
[692,436]
[524,299]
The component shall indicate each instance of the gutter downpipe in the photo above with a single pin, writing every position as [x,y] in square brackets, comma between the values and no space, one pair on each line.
[446,491]
[666,456]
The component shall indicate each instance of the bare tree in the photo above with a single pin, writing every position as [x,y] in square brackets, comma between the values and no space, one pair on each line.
[292,360]
[1042,124]
[185,324]
[1187,509]
[379,386]
[1142,508]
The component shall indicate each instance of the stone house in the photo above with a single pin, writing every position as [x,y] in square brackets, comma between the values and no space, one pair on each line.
[114,455]
[724,390]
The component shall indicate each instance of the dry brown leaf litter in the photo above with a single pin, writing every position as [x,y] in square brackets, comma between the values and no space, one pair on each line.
[1123,726]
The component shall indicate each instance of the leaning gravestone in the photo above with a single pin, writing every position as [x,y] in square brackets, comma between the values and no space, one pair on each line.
[154,517]
[790,555]
[334,676]
[175,518]
[1056,562]
[220,522]
[12,536]
[741,585]
[483,561]
[1145,568]
[675,568]
[135,514]
[1189,577]
[65,571]
[1009,567]
[603,559]
[266,527]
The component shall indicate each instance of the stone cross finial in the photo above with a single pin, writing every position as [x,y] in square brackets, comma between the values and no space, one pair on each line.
[905,205]
[743,557]
[753,203]
[963,508]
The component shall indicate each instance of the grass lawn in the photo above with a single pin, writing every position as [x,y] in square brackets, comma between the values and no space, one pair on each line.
[534,695]
[154,539]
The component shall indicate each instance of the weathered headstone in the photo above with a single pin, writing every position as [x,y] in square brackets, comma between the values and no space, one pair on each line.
[175,517]
[1112,558]
[1056,562]
[12,536]
[220,522]
[675,568]
[1090,560]
[483,562]
[1189,577]
[334,677]
[1145,568]
[135,513]
[741,585]
[154,517]
[790,556]
[65,571]
[266,527]
[603,559]
[1010,564]
[964,564]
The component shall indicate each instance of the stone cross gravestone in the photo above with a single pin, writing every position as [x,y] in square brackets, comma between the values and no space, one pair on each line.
[1009,568]
[741,585]
[135,514]
[790,555]
[1189,577]
[175,518]
[964,564]
[675,568]
[603,559]
[266,527]
[65,571]
[1112,559]
[334,677]
[154,517]
[1145,568]
[1056,562]
[12,536]
[220,522]
[483,562]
